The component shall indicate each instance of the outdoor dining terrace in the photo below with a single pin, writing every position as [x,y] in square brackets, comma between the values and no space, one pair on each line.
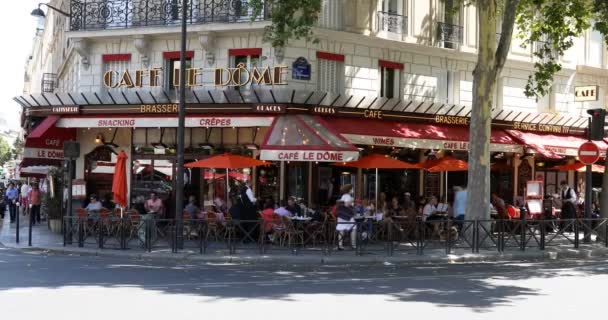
[307,236]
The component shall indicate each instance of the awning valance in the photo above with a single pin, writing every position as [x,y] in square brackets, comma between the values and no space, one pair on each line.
[417,135]
[47,149]
[553,146]
[305,138]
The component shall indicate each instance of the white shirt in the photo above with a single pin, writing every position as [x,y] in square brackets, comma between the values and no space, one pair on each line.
[570,195]
[250,195]
[460,202]
[25,189]
[428,210]
[442,207]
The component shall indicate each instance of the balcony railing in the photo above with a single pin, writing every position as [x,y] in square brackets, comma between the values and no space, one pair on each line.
[121,14]
[449,33]
[49,82]
[392,22]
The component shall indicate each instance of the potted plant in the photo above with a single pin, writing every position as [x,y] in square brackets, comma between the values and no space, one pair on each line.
[51,200]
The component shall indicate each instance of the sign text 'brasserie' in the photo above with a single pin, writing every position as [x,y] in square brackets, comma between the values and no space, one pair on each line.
[198,77]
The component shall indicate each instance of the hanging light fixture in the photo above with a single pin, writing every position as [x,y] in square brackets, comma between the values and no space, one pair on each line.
[99,138]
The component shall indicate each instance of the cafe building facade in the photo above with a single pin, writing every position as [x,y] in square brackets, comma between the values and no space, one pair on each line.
[301,107]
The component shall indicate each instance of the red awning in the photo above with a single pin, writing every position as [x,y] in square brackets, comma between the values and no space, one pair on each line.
[43,126]
[305,138]
[417,135]
[47,150]
[553,146]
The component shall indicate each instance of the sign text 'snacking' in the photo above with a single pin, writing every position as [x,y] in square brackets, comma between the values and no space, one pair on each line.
[195,77]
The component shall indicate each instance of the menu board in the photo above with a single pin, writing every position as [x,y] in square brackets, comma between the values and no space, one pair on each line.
[79,189]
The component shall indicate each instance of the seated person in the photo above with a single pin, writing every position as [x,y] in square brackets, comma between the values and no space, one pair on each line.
[269,218]
[108,203]
[499,206]
[443,206]
[94,205]
[282,210]
[154,205]
[430,212]
[191,208]
[294,209]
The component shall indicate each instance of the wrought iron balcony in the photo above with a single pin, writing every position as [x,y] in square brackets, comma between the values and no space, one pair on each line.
[392,22]
[449,33]
[49,82]
[121,14]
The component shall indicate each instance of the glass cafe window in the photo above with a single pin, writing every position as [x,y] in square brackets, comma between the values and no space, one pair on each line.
[173,76]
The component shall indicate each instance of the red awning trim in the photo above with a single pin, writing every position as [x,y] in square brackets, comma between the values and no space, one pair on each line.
[116,57]
[416,135]
[553,146]
[245,52]
[330,56]
[43,126]
[390,65]
[176,55]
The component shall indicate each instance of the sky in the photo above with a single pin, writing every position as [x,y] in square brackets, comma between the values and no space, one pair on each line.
[18,29]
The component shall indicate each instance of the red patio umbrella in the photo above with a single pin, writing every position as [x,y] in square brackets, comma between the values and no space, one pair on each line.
[211,175]
[226,161]
[119,181]
[377,161]
[445,164]
[580,167]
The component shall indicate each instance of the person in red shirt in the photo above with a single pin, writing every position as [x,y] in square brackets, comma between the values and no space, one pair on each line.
[34,199]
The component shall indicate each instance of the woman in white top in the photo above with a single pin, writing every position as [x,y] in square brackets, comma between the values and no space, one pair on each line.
[430,209]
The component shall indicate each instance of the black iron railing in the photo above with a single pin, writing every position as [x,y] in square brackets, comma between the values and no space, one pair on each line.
[120,14]
[392,22]
[449,33]
[320,235]
[49,82]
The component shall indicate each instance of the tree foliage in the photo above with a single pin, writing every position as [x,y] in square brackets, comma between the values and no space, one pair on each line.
[6,152]
[18,147]
[291,19]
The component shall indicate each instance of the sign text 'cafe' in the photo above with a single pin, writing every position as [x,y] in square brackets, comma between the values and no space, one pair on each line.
[223,77]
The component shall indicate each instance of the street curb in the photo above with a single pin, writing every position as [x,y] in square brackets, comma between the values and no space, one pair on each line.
[549,255]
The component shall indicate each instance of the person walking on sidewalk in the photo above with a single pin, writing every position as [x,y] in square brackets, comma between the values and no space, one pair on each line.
[12,195]
[34,199]
[25,191]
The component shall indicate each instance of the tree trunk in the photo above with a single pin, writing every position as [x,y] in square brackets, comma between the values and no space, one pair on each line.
[484,82]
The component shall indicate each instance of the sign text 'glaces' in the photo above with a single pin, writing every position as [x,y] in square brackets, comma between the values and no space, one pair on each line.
[198,77]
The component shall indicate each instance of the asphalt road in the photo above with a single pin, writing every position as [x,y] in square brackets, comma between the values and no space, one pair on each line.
[39,286]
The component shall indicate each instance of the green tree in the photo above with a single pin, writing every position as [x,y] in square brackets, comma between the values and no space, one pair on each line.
[18,147]
[6,152]
[551,23]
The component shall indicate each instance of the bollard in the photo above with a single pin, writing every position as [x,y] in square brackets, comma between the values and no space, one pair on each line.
[17,225]
[29,235]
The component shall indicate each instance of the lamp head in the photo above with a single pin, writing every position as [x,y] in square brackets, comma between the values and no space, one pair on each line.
[38,13]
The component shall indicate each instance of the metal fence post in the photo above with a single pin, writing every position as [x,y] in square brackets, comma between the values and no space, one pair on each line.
[522,243]
[420,226]
[576,234]
[448,242]
[476,235]
[29,231]
[100,230]
[80,234]
[542,234]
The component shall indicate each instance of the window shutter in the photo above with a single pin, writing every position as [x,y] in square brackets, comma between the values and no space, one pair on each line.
[329,76]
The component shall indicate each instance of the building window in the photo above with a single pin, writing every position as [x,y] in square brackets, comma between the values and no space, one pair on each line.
[115,62]
[390,76]
[392,17]
[331,72]
[249,57]
[172,65]
[595,49]
[449,31]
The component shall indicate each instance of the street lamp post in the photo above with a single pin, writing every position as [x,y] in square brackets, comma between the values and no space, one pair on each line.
[179,186]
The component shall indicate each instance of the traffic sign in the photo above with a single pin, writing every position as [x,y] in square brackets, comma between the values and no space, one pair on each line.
[588,152]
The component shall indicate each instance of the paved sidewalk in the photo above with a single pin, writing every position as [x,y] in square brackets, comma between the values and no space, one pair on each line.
[45,241]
